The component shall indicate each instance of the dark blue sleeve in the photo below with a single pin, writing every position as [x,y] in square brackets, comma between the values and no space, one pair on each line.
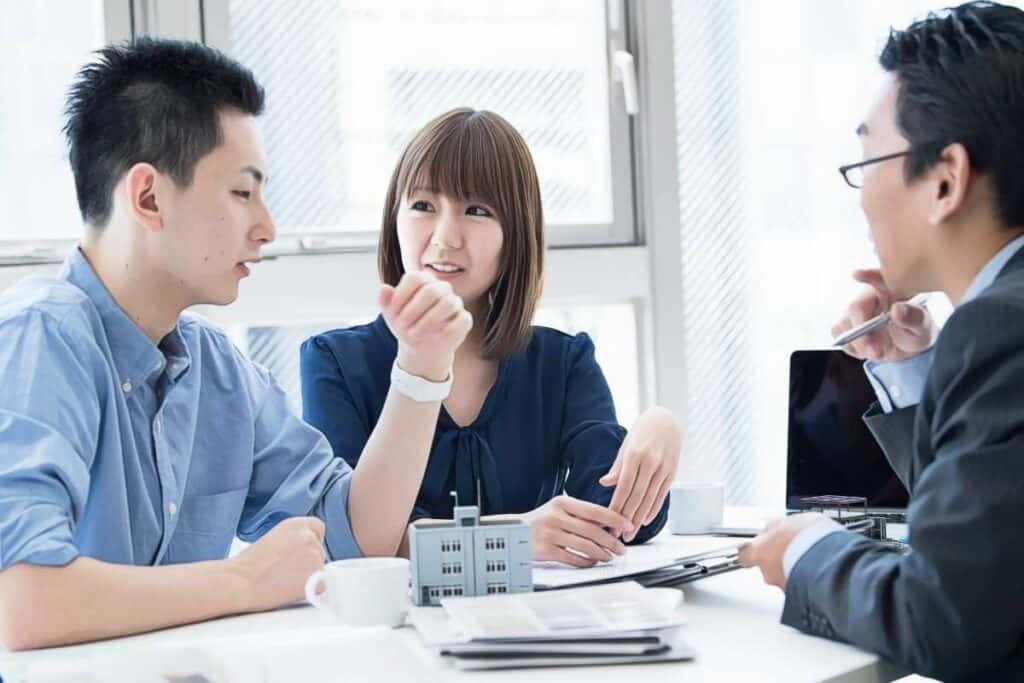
[591,436]
[329,404]
[327,401]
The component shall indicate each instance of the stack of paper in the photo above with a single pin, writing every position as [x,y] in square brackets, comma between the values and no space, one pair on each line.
[696,555]
[616,623]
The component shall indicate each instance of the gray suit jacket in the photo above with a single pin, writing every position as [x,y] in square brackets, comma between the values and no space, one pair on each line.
[953,608]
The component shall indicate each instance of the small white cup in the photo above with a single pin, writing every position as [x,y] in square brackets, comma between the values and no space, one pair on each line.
[365,591]
[695,507]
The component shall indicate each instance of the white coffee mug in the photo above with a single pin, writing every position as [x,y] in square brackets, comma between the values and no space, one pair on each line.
[365,591]
[695,506]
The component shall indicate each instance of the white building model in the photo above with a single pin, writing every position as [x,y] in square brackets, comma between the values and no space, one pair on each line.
[467,556]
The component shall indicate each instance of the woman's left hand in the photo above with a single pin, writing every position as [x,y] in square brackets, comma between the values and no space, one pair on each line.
[644,468]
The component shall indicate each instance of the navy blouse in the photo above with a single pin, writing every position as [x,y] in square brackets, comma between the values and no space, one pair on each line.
[547,426]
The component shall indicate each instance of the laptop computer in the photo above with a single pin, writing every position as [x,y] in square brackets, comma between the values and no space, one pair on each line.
[830,450]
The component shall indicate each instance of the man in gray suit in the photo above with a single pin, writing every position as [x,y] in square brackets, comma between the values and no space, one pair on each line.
[942,187]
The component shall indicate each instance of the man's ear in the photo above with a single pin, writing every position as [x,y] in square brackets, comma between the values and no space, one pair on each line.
[142,182]
[951,178]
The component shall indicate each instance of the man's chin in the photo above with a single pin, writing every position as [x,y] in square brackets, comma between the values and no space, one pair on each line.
[902,285]
[221,298]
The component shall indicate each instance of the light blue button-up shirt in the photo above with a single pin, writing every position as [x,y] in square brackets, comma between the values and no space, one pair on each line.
[120,450]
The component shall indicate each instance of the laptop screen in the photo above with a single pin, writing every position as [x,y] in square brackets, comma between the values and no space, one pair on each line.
[831,451]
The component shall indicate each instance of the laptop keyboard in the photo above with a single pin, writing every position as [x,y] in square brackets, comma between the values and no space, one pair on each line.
[891,517]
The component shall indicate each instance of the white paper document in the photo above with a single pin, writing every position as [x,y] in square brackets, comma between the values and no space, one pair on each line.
[610,608]
[661,552]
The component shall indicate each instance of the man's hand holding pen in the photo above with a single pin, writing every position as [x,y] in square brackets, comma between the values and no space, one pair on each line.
[911,329]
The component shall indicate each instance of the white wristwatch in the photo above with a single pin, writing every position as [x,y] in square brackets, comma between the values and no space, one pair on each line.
[417,388]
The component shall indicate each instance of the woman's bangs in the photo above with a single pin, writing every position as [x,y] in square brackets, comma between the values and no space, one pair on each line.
[458,166]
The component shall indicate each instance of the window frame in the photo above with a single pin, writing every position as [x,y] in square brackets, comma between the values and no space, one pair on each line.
[299,281]
[214,29]
[118,21]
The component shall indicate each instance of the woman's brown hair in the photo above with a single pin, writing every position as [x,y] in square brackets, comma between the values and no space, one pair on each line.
[478,156]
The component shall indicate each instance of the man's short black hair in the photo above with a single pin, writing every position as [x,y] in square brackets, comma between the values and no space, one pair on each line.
[961,79]
[153,101]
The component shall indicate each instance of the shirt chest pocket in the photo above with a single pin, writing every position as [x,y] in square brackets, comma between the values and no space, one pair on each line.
[206,526]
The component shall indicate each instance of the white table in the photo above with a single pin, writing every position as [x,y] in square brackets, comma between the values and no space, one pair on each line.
[733,623]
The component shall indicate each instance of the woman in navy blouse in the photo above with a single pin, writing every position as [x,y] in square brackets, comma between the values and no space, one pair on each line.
[529,422]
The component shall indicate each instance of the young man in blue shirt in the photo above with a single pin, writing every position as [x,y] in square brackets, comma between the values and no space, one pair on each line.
[942,187]
[135,440]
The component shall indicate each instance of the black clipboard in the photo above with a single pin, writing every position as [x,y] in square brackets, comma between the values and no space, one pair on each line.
[674,575]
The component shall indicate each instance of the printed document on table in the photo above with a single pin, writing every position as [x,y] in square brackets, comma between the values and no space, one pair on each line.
[620,607]
[663,551]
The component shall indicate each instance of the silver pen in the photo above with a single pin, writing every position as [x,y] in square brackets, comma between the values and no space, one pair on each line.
[874,324]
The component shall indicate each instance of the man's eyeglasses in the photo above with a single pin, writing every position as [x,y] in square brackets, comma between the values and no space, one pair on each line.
[853,174]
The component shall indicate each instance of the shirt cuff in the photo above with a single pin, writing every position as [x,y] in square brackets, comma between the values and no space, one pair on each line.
[899,384]
[333,510]
[35,533]
[803,541]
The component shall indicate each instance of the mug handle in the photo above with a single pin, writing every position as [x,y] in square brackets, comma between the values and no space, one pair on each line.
[312,597]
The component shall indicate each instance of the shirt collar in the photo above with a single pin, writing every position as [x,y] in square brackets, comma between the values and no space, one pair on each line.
[987,275]
[135,356]
[175,351]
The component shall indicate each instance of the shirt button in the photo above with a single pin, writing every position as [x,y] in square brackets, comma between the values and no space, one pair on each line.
[126,387]
[895,391]
[172,508]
